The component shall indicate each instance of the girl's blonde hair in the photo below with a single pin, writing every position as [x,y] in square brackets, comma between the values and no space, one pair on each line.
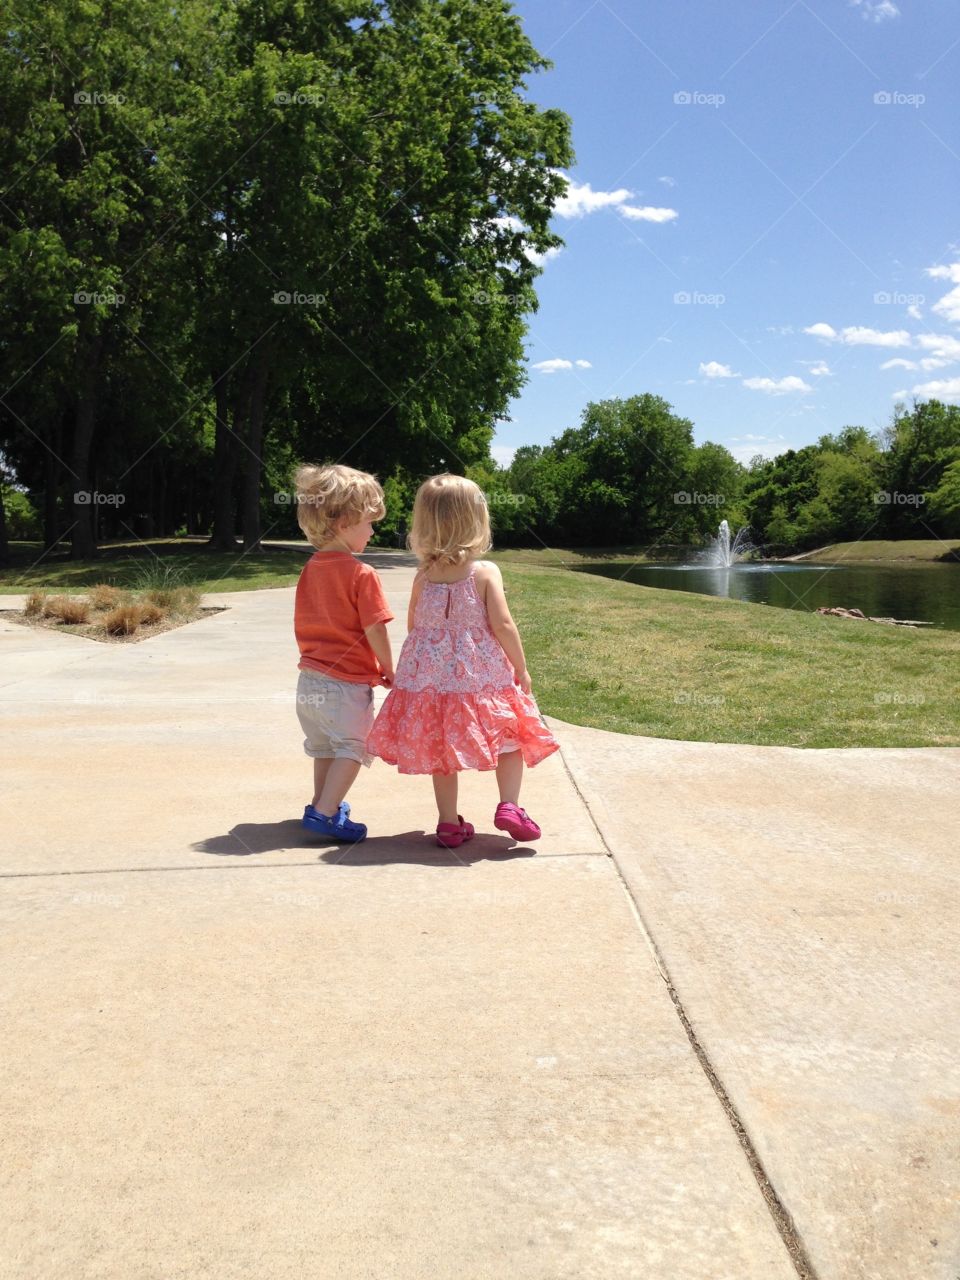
[327,494]
[451,523]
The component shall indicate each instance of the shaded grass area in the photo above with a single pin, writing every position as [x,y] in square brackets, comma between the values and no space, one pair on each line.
[909,549]
[122,565]
[665,664]
[558,557]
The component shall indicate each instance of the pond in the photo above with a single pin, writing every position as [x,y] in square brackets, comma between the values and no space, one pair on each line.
[922,592]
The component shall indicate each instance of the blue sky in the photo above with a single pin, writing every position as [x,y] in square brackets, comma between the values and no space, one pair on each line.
[747,172]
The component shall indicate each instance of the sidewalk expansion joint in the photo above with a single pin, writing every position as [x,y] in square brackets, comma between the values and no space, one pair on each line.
[782,1219]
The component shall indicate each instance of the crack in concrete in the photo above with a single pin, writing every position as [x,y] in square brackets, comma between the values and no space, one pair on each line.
[782,1218]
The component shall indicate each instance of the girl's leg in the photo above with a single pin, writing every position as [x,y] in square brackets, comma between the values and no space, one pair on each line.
[341,775]
[445,789]
[510,776]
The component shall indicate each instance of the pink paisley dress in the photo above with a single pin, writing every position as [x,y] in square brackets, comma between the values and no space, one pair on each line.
[454,703]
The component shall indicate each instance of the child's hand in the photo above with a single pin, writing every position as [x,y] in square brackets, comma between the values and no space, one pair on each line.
[522,678]
[386,679]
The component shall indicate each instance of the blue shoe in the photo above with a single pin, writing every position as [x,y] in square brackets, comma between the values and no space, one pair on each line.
[337,828]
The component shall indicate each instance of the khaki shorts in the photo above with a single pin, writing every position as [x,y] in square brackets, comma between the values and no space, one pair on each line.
[336,716]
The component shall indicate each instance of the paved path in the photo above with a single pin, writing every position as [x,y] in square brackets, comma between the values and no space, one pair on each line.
[707,1027]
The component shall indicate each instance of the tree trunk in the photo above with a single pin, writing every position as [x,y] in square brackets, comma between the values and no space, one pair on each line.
[223,537]
[4,544]
[261,358]
[51,485]
[83,541]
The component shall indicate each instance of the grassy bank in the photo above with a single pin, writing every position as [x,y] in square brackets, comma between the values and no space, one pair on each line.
[122,566]
[910,550]
[674,665]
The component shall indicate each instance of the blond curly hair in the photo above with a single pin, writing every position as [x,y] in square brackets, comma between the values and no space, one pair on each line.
[326,495]
[451,522]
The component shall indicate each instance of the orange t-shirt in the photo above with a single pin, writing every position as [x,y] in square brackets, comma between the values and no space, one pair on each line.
[337,596]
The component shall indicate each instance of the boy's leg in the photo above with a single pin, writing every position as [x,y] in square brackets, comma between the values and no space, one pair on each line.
[510,776]
[341,774]
[320,771]
[445,789]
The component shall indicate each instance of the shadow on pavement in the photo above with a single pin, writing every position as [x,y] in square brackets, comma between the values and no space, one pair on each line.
[408,846]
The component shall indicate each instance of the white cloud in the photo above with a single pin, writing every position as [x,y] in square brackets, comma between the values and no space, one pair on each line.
[949,304]
[647,214]
[820,370]
[778,387]
[943,346]
[558,365]
[668,182]
[899,363]
[945,389]
[538,259]
[914,312]
[714,370]
[858,336]
[877,10]
[766,446]
[580,198]
[899,395]
[502,454]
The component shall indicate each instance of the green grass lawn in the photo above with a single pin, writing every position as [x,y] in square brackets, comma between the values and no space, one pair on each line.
[671,664]
[121,564]
[639,660]
[908,550]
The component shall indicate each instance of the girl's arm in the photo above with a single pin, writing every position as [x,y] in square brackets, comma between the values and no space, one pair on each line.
[501,621]
[414,597]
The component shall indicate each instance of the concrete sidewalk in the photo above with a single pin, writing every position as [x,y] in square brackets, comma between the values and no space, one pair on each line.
[240,1052]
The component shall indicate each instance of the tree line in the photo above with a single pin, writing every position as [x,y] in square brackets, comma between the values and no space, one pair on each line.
[239,233]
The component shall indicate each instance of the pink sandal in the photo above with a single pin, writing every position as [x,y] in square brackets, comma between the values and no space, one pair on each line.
[510,817]
[451,835]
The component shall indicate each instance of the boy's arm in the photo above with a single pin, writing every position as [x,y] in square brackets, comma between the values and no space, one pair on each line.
[380,644]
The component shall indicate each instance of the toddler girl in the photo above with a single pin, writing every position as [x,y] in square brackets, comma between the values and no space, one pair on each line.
[461,695]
